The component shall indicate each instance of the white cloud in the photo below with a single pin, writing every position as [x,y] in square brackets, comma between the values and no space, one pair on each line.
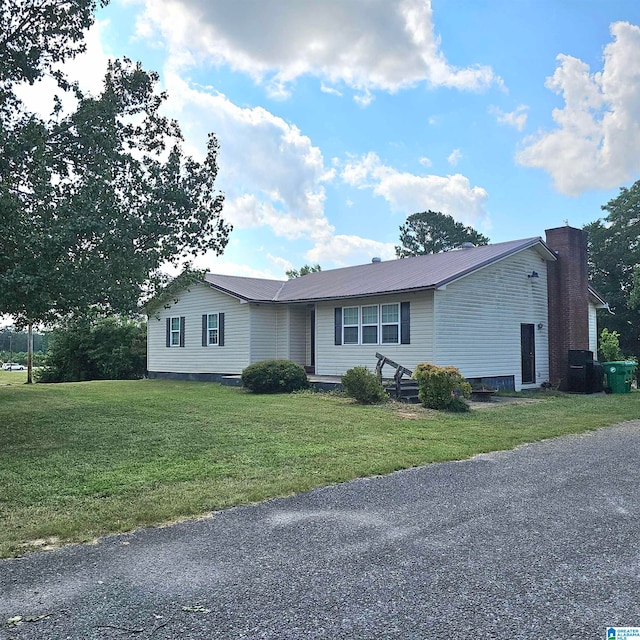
[346,249]
[516,118]
[87,69]
[425,162]
[374,45]
[409,193]
[596,144]
[271,173]
[281,263]
[363,99]
[330,90]
[454,157]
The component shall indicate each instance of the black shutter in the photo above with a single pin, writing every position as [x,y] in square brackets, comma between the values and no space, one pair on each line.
[182,331]
[405,323]
[168,332]
[221,329]
[337,329]
[205,328]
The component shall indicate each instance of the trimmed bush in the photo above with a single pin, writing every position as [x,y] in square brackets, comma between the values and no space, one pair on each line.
[442,387]
[362,385]
[274,376]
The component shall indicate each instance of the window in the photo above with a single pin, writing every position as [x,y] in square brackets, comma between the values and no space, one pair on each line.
[373,324]
[175,332]
[390,323]
[212,328]
[350,323]
[370,324]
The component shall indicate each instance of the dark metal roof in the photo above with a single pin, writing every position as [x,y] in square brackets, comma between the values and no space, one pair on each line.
[376,278]
[248,289]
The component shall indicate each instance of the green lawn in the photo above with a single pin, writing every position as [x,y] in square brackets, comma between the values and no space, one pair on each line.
[84,459]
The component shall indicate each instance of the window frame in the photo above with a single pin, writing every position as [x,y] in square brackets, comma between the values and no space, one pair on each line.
[216,329]
[364,324]
[390,324]
[352,325]
[347,328]
[175,332]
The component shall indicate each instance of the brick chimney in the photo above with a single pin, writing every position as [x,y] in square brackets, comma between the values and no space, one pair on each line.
[568,294]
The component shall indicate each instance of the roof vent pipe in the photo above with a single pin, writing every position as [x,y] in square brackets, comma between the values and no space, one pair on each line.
[376,259]
[468,245]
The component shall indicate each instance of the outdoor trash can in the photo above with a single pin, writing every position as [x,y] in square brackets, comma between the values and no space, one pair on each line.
[619,375]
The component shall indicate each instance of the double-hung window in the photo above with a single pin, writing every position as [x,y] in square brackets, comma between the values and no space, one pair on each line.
[174,332]
[370,324]
[212,329]
[351,325]
[390,323]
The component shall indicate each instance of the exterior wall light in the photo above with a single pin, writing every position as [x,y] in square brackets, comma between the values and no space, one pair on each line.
[533,274]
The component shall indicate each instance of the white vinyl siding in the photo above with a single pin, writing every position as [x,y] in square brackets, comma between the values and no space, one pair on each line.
[332,359]
[593,330]
[478,319]
[298,321]
[264,332]
[278,332]
[193,357]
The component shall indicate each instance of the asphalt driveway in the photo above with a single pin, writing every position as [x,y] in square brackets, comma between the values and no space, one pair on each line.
[540,542]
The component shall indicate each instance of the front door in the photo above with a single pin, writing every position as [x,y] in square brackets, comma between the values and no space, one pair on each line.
[528,349]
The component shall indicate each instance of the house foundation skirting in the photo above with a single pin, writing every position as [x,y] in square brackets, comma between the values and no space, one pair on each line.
[320,383]
[193,377]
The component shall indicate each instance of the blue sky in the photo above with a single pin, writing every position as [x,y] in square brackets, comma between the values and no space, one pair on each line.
[339,118]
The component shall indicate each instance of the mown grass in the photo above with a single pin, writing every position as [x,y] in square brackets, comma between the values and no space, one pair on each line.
[12,377]
[81,460]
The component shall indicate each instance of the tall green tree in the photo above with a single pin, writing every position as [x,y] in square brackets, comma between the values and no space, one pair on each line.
[614,265]
[433,232]
[93,202]
[303,270]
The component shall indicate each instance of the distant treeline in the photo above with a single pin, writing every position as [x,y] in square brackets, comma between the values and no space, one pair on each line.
[16,341]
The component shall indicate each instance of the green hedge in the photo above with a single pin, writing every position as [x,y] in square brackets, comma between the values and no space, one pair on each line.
[364,386]
[274,376]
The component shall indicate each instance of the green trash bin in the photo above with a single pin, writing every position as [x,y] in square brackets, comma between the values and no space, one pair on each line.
[619,375]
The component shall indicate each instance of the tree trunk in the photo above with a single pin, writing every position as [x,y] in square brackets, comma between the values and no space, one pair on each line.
[30,354]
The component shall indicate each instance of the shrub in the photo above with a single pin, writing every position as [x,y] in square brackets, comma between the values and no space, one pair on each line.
[274,376]
[610,346]
[96,349]
[442,387]
[364,386]
[456,404]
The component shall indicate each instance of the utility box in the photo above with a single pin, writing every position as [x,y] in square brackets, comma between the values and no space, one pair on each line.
[581,371]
